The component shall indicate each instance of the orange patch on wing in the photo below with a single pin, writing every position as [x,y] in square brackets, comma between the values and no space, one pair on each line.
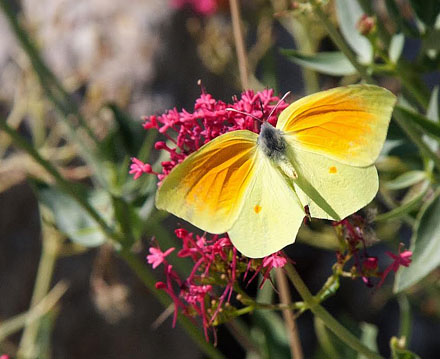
[217,182]
[257,208]
[337,128]
[332,169]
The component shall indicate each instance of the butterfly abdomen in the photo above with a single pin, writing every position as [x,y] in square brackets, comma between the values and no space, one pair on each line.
[272,142]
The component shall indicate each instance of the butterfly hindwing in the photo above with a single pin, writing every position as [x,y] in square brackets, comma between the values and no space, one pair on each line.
[271,213]
[331,189]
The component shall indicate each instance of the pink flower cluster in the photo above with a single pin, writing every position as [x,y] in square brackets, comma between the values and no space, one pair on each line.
[217,265]
[207,290]
[365,266]
[188,131]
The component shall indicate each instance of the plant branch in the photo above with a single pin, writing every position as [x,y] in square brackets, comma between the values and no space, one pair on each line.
[49,255]
[289,319]
[239,44]
[330,322]
[13,325]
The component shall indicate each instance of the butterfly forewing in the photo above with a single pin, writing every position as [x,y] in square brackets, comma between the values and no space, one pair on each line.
[208,187]
[348,124]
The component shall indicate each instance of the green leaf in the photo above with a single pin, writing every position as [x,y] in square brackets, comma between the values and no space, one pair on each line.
[369,338]
[426,10]
[275,334]
[330,63]
[432,114]
[433,111]
[69,216]
[406,207]
[396,47]
[425,245]
[406,180]
[349,12]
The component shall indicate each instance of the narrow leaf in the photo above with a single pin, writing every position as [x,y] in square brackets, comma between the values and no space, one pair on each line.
[425,245]
[396,47]
[433,110]
[330,63]
[406,207]
[406,180]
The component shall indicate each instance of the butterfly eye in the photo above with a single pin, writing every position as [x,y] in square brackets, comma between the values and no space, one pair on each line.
[332,169]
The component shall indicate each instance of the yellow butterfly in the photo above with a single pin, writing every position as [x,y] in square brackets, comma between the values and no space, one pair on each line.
[255,187]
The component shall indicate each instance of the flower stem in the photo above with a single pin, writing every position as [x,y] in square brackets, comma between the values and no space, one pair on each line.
[239,44]
[13,325]
[28,346]
[295,344]
[330,322]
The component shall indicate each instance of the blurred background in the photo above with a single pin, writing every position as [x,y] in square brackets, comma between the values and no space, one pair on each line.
[118,61]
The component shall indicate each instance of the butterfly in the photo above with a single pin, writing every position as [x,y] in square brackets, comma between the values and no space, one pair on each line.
[256,187]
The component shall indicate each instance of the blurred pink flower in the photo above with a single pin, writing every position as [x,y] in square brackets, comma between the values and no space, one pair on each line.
[157,257]
[202,7]
[400,259]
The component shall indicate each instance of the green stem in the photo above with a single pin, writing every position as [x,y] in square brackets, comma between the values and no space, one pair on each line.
[405,317]
[340,42]
[330,322]
[13,325]
[28,347]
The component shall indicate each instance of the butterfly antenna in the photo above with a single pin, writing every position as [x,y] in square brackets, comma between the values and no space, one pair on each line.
[261,108]
[276,106]
[243,113]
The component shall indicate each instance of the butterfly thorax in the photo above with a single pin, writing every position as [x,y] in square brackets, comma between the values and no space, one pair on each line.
[273,144]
